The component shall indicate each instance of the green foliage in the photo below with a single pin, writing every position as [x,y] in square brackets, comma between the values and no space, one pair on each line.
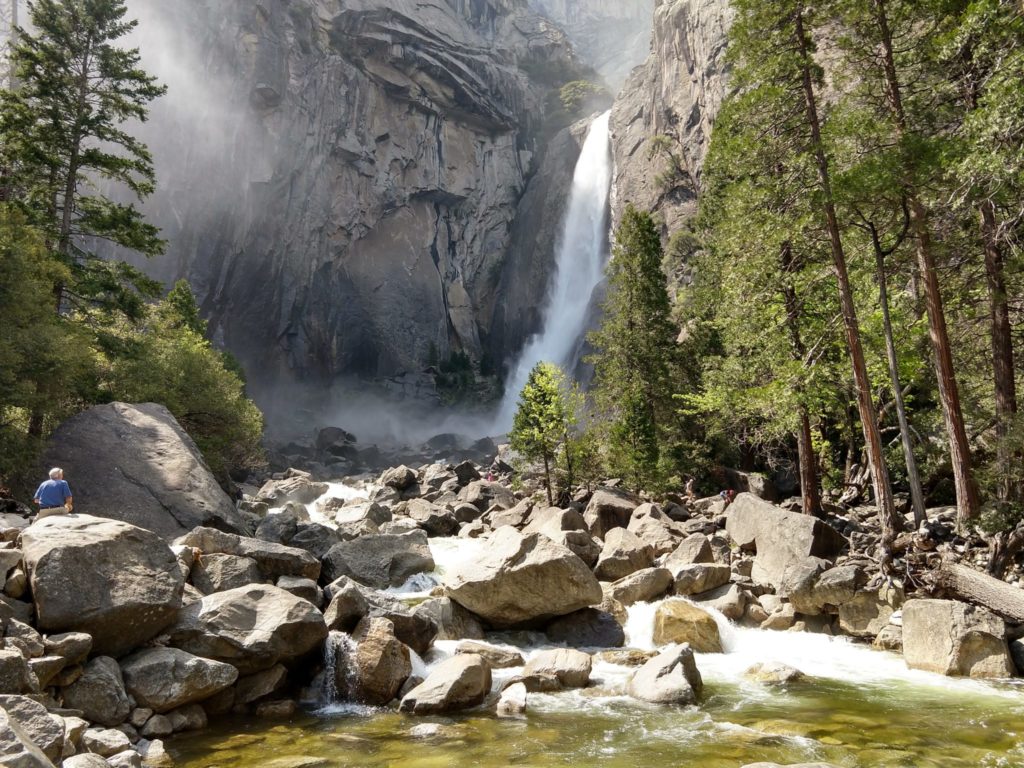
[544,424]
[62,141]
[636,354]
[579,95]
[674,174]
[170,362]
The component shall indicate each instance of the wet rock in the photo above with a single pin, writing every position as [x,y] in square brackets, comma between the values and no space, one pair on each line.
[953,638]
[458,683]
[453,622]
[630,657]
[517,579]
[380,663]
[163,679]
[700,577]
[891,639]
[512,702]
[99,693]
[609,508]
[570,667]
[780,619]
[496,657]
[729,600]
[622,554]
[251,628]
[135,464]
[773,673]
[671,677]
[118,583]
[191,717]
[677,621]
[587,628]
[642,586]
[382,561]
[259,685]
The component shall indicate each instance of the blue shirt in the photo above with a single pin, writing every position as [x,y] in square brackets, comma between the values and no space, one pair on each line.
[53,493]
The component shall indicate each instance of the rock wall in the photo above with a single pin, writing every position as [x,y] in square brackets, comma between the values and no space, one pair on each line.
[613,36]
[676,93]
[339,181]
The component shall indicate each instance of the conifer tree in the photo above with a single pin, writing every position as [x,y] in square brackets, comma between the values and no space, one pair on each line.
[543,424]
[635,349]
[64,145]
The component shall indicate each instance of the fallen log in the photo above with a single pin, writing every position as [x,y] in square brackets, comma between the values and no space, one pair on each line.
[970,586]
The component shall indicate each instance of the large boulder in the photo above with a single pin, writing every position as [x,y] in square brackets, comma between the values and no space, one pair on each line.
[453,622]
[136,464]
[274,560]
[217,572]
[378,666]
[15,674]
[99,693]
[458,683]
[380,561]
[251,628]
[414,628]
[781,538]
[701,577]
[571,667]
[954,638]
[517,579]
[653,527]
[677,621]
[587,628]
[671,677]
[623,553]
[163,679]
[609,508]
[484,494]
[115,581]
[641,586]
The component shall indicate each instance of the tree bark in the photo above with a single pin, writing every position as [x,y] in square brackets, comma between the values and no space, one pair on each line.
[962,583]
[913,476]
[1002,343]
[890,523]
[949,393]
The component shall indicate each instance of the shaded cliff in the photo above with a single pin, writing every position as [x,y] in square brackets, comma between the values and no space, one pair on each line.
[341,181]
[661,122]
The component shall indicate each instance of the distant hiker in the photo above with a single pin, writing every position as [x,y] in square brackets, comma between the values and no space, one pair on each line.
[54,495]
[691,494]
[727,496]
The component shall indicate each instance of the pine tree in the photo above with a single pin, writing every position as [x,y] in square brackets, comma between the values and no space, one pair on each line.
[64,144]
[635,349]
[543,425]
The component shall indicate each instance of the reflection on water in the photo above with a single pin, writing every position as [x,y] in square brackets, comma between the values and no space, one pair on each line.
[896,724]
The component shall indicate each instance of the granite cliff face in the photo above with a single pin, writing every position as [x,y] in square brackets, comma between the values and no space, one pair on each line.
[341,180]
[613,36]
[676,94]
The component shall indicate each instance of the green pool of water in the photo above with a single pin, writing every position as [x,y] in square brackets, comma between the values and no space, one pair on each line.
[855,726]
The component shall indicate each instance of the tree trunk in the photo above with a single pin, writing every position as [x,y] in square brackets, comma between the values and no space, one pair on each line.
[963,583]
[1002,344]
[913,476]
[949,393]
[547,479]
[890,523]
[809,490]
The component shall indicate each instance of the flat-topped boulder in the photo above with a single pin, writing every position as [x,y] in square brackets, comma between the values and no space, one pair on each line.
[116,582]
[163,679]
[252,628]
[380,561]
[458,683]
[671,677]
[781,538]
[136,464]
[517,579]
[274,560]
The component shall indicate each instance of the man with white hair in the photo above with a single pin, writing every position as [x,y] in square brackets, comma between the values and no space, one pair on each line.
[54,495]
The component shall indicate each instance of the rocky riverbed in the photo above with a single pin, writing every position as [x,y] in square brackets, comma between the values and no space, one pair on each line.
[433,592]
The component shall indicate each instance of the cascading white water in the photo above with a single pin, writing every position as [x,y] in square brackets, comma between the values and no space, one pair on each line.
[579,268]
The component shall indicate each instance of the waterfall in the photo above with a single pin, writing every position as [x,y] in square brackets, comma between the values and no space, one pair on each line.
[338,644]
[579,268]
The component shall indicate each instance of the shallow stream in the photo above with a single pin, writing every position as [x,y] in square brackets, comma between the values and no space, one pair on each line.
[856,708]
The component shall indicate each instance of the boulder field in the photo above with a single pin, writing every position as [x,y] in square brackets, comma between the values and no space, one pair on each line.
[115,635]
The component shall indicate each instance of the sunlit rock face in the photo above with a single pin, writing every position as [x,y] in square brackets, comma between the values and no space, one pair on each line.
[676,93]
[613,36]
[339,180]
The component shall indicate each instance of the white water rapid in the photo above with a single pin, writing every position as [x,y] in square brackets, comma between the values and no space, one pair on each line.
[579,268]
